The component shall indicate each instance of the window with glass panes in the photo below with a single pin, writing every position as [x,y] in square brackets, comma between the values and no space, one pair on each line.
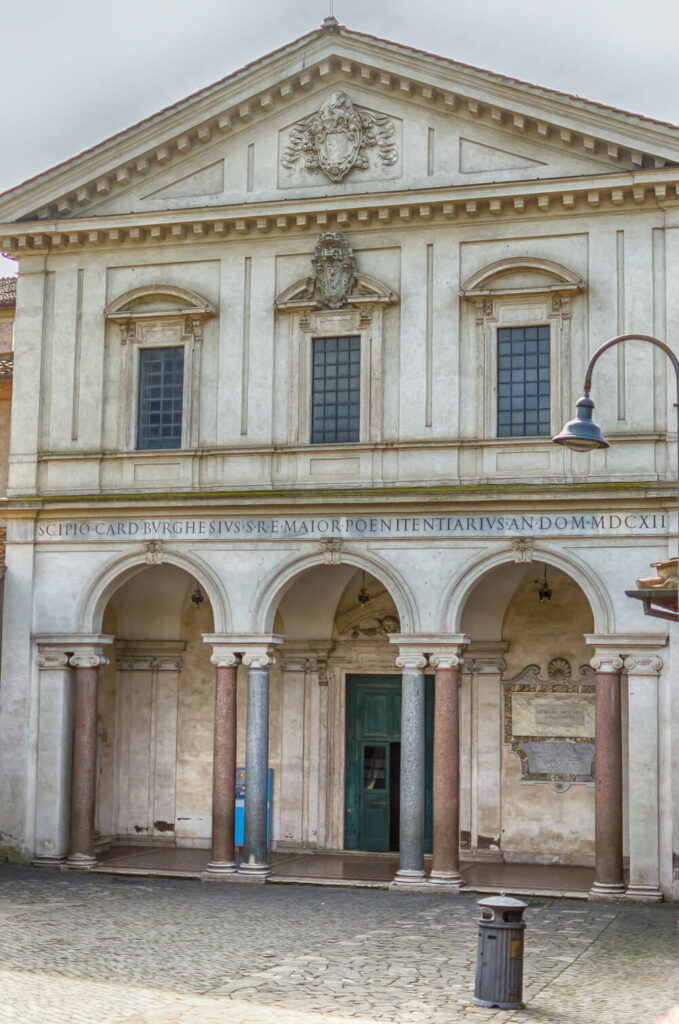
[161,386]
[523,405]
[335,411]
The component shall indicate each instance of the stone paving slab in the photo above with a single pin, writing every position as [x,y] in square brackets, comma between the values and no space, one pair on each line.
[79,949]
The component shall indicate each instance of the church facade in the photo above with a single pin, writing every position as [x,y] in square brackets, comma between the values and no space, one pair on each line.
[282,494]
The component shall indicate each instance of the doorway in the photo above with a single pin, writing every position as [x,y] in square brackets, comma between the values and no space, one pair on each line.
[373,762]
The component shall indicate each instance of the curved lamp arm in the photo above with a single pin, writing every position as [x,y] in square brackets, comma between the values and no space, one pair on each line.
[631,337]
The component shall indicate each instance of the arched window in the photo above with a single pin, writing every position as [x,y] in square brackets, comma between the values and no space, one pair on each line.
[522,311]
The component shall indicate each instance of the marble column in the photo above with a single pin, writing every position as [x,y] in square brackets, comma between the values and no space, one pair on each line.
[643,814]
[223,858]
[83,776]
[54,756]
[446,783]
[411,833]
[608,878]
[255,846]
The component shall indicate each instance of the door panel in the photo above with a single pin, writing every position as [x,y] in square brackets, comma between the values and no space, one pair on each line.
[373,757]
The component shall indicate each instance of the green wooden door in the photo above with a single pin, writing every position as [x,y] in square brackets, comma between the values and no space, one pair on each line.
[373,762]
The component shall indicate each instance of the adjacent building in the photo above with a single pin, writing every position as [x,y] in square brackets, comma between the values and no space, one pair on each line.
[282,494]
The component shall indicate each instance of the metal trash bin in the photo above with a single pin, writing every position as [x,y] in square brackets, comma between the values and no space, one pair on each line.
[499,959]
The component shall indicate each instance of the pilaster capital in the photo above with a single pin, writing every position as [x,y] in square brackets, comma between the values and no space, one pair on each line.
[487,666]
[607,662]
[298,664]
[643,665]
[52,659]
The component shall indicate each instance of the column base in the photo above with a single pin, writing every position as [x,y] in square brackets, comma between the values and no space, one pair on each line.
[449,880]
[410,878]
[80,861]
[220,868]
[644,894]
[607,891]
[48,862]
[253,872]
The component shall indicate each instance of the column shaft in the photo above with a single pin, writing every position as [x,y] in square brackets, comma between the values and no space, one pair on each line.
[411,867]
[83,784]
[256,852]
[224,772]
[643,800]
[446,790]
[608,785]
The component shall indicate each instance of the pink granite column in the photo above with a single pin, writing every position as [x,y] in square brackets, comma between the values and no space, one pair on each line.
[608,877]
[223,861]
[83,777]
[446,783]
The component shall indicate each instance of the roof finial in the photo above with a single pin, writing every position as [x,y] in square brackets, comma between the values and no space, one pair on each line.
[331,21]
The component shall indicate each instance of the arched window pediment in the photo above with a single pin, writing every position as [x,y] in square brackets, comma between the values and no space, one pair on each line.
[302,294]
[521,275]
[158,301]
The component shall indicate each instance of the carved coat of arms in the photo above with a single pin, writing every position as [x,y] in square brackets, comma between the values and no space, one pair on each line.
[335,265]
[337,137]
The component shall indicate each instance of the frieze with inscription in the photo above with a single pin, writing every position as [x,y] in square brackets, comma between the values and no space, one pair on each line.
[549,724]
[354,527]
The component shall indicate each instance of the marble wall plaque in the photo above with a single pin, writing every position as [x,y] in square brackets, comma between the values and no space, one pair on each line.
[559,760]
[553,714]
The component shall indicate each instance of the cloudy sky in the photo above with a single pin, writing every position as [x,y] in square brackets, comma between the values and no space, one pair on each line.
[76,72]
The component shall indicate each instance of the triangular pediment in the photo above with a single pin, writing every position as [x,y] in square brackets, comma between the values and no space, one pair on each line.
[432,122]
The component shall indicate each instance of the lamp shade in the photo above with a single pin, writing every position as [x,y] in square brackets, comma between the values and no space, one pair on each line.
[582,434]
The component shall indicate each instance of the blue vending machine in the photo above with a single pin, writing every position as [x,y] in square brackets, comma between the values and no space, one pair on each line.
[240,805]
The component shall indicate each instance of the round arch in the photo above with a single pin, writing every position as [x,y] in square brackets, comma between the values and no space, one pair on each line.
[461,586]
[97,594]
[270,594]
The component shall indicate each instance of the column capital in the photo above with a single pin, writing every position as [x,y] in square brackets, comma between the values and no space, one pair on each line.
[224,657]
[486,666]
[51,659]
[643,665]
[607,662]
[410,659]
[298,664]
[446,659]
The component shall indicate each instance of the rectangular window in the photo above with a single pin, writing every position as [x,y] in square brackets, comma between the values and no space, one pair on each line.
[161,387]
[335,405]
[523,401]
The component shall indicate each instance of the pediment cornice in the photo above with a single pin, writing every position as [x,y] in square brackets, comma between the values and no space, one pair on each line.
[331,59]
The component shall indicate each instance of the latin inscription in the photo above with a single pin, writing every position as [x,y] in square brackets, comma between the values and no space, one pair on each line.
[564,760]
[352,527]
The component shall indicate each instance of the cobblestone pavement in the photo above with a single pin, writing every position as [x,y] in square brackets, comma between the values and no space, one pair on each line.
[79,949]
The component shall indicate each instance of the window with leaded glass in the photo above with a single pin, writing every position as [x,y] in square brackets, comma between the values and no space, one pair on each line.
[335,394]
[523,400]
[161,388]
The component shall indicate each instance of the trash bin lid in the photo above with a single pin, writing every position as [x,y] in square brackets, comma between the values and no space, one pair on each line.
[502,903]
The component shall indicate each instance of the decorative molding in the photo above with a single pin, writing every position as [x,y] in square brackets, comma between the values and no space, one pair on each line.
[551,277]
[178,302]
[304,296]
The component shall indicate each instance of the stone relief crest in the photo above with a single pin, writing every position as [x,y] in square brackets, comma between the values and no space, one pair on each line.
[335,266]
[337,137]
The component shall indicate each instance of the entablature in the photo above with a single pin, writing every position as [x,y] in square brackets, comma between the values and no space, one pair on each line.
[645,190]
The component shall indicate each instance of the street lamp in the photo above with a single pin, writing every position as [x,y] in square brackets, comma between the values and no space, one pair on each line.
[582,434]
